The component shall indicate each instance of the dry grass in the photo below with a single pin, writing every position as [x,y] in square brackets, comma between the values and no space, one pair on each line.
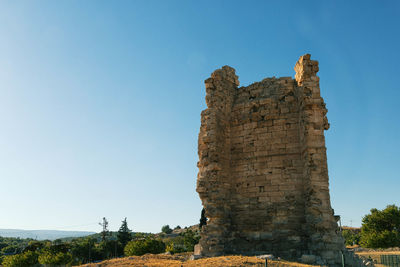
[150,260]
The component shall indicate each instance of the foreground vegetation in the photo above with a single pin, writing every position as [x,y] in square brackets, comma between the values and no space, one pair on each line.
[380,229]
[98,247]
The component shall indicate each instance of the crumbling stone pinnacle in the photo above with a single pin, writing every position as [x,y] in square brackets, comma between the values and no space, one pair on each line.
[305,69]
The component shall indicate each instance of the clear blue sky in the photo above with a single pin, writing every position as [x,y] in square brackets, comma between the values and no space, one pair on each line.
[100,102]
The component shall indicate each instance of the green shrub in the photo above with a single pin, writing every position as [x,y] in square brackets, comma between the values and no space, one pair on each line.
[143,246]
[84,249]
[57,259]
[26,259]
[176,245]
[110,249]
[190,239]
[351,237]
[183,243]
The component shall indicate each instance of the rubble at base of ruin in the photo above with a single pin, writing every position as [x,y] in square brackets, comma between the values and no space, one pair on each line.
[263,177]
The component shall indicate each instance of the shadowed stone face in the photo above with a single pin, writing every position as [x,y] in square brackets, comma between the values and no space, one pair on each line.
[263,177]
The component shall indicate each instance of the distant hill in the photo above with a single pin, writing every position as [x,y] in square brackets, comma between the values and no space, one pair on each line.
[42,234]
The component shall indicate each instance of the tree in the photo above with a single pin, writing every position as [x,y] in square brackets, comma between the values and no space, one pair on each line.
[85,250]
[381,228]
[166,229]
[11,249]
[124,233]
[110,249]
[26,259]
[34,246]
[105,232]
[203,218]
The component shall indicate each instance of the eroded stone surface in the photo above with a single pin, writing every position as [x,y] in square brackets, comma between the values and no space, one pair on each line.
[263,177]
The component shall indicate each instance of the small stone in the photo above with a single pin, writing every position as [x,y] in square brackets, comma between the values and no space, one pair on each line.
[266,256]
[194,257]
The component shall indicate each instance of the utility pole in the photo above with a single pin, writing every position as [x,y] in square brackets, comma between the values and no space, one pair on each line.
[104,232]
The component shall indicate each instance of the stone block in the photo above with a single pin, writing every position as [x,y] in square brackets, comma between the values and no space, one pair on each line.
[197,250]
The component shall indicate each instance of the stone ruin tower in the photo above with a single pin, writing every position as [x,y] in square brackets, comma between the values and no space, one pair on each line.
[263,176]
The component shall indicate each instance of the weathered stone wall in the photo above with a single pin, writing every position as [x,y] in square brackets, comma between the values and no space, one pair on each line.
[263,177]
[266,168]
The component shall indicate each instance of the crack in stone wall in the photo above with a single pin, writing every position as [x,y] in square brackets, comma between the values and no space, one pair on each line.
[263,177]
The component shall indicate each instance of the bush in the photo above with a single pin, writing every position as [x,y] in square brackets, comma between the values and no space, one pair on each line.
[176,245]
[111,248]
[34,246]
[26,259]
[190,239]
[381,228]
[85,250]
[143,246]
[55,259]
[11,249]
[183,243]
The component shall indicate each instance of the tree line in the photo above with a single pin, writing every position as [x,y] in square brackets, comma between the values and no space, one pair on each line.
[98,247]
